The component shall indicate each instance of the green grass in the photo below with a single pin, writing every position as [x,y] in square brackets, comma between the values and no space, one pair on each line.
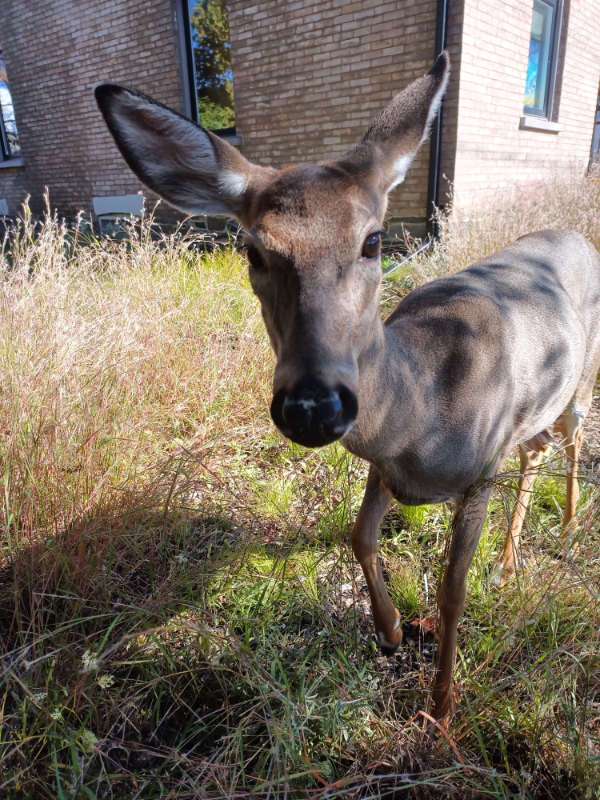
[180,611]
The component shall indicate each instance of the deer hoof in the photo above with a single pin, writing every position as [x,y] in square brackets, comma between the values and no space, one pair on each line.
[387,647]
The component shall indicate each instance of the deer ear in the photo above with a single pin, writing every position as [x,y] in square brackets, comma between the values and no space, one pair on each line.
[191,168]
[395,135]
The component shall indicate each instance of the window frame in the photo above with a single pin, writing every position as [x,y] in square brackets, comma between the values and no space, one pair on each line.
[187,61]
[189,74]
[546,111]
[5,154]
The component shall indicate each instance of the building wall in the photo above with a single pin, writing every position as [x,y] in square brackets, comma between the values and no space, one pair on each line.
[54,55]
[492,153]
[308,78]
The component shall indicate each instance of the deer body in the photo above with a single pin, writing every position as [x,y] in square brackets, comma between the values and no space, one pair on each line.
[502,354]
[469,366]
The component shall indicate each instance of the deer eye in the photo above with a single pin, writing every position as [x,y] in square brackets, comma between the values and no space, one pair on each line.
[371,246]
[254,257]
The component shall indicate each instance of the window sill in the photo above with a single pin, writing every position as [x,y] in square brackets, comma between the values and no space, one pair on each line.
[10,163]
[236,141]
[528,123]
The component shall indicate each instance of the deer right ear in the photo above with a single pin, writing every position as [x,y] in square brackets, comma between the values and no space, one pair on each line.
[188,166]
[389,146]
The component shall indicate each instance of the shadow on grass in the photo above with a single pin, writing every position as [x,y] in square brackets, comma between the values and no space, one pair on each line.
[208,652]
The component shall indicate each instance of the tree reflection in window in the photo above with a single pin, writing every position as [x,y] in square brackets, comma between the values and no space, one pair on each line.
[8,126]
[209,22]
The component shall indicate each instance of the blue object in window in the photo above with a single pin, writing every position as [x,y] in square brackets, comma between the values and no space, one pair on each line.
[9,135]
[542,54]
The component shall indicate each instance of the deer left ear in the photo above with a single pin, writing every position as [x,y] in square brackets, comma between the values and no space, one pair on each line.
[190,167]
[395,135]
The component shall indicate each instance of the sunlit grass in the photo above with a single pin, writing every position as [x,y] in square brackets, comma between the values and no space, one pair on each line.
[181,614]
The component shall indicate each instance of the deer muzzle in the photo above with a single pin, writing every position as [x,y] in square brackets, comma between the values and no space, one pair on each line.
[312,414]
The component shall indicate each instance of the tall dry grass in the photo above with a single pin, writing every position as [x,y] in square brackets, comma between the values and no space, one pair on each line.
[114,360]
[468,234]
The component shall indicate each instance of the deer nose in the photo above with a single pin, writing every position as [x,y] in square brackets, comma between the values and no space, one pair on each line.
[312,414]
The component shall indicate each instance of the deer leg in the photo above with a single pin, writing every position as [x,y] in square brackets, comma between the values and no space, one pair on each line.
[466,530]
[365,534]
[570,427]
[573,450]
[532,454]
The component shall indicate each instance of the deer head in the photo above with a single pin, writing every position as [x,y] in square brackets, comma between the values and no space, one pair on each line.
[312,236]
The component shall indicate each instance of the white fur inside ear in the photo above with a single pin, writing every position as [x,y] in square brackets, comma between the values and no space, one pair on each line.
[233,183]
[435,105]
[401,166]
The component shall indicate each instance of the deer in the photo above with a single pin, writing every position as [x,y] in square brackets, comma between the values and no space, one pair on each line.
[503,354]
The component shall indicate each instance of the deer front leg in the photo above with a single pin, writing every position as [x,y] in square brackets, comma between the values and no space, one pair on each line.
[365,535]
[466,530]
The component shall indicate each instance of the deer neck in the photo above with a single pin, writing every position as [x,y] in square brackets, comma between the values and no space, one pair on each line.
[384,395]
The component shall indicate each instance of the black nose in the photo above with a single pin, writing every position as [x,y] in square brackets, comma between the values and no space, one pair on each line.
[312,414]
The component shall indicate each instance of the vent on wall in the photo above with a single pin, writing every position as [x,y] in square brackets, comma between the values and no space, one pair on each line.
[3,208]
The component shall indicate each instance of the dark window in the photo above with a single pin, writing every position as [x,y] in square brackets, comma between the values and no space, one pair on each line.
[209,66]
[9,137]
[543,51]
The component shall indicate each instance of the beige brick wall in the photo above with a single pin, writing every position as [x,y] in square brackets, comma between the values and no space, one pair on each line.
[308,77]
[492,154]
[54,54]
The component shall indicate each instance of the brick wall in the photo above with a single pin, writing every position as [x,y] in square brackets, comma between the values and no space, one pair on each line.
[492,154]
[309,77]
[54,55]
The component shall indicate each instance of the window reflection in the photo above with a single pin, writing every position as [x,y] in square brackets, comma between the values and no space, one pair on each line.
[8,125]
[540,47]
[209,22]
[595,159]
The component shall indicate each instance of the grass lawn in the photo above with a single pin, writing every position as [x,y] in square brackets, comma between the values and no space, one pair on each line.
[181,615]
